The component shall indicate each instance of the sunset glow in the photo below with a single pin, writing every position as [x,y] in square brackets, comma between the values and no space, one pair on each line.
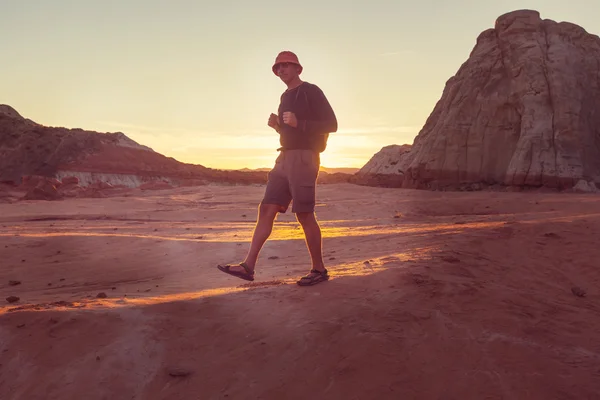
[193,81]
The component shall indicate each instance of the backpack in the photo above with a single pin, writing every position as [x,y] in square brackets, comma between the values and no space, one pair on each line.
[318,141]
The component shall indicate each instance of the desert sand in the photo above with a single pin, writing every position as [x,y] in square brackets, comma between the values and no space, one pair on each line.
[434,295]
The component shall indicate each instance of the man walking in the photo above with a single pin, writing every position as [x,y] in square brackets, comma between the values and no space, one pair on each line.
[304,121]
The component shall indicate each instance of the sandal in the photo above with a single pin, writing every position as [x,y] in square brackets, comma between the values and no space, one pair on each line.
[248,275]
[313,278]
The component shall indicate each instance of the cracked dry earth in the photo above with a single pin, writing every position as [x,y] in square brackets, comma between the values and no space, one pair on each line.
[433,295]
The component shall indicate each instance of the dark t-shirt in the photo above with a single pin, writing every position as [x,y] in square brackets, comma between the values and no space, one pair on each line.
[315,116]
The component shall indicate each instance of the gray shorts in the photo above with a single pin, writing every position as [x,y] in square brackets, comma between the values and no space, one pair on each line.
[294,177]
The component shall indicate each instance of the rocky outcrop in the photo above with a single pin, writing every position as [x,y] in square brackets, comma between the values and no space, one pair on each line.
[390,159]
[70,180]
[47,188]
[523,110]
[122,140]
[5,195]
[31,181]
[126,180]
[44,189]
[585,187]
[386,168]
[9,111]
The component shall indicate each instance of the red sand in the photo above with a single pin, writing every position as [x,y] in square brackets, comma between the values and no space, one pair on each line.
[462,296]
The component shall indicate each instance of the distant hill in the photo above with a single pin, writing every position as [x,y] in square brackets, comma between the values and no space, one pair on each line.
[343,170]
[28,149]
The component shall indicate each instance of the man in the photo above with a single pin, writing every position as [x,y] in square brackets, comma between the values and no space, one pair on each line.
[305,119]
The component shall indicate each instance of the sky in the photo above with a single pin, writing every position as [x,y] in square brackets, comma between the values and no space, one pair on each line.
[193,79]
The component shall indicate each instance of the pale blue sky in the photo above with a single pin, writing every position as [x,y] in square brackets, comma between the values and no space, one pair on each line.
[192,79]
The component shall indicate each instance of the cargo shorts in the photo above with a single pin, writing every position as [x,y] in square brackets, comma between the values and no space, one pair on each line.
[293,177]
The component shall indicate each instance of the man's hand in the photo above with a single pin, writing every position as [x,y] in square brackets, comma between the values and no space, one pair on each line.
[274,122]
[289,118]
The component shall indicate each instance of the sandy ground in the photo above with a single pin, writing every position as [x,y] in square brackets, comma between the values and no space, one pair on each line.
[433,296]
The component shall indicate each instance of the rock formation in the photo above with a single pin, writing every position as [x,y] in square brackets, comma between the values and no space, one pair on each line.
[43,190]
[386,168]
[5,196]
[523,110]
[9,111]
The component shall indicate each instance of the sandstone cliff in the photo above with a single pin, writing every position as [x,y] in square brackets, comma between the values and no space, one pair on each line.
[523,110]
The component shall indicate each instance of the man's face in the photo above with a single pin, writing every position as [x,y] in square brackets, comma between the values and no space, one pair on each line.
[287,71]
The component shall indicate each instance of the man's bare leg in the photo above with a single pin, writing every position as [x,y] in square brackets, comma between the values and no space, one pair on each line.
[262,231]
[312,234]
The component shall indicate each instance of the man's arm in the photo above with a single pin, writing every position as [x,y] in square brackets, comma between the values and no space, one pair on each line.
[323,117]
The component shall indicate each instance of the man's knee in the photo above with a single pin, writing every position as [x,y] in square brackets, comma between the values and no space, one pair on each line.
[305,217]
[269,210]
